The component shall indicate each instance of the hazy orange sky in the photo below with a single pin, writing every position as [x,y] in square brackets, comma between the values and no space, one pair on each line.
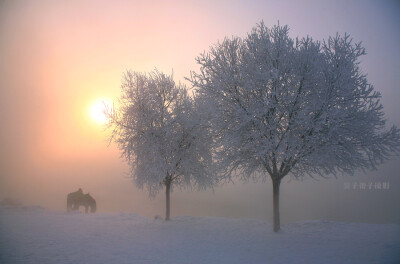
[58,57]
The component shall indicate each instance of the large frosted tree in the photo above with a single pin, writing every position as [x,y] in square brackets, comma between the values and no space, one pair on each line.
[279,106]
[159,132]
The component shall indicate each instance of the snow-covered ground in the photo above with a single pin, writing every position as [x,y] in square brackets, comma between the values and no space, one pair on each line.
[40,236]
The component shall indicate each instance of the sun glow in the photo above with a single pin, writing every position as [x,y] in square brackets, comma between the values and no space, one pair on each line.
[98,108]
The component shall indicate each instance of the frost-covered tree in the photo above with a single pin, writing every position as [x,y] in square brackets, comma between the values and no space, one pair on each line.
[279,106]
[157,128]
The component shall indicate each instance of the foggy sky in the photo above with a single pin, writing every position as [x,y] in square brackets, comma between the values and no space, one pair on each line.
[57,57]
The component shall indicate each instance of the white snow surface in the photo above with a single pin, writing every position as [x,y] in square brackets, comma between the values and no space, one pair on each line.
[41,236]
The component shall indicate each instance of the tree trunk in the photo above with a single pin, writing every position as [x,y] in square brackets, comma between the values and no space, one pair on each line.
[275,185]
[167,200]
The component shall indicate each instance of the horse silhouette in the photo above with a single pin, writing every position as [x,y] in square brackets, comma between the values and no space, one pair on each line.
[78,198]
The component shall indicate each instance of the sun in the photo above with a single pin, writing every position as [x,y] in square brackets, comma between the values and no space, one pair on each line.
[97,110]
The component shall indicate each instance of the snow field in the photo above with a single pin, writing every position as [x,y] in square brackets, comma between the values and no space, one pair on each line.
[40,236]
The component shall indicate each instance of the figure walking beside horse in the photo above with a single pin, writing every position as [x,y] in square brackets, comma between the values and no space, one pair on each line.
[78,198]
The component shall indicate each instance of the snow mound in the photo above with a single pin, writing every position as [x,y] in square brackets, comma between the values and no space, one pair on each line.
[40,236]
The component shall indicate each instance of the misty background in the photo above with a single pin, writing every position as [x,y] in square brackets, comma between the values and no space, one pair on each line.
[58,57]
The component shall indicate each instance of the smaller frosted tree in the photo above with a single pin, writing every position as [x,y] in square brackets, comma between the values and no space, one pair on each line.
[280,106]
[158,130]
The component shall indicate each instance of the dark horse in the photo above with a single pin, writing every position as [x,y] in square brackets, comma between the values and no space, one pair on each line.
[78,198]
